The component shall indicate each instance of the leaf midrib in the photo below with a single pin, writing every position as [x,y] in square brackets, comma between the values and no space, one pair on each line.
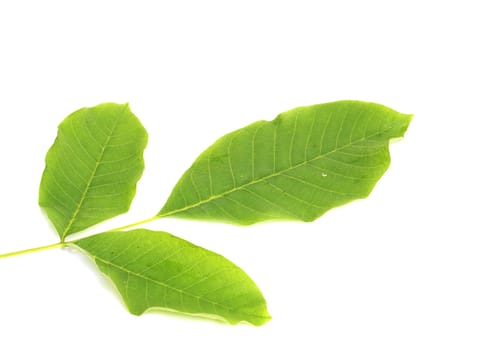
[162,284]
[90,180]
[250,183]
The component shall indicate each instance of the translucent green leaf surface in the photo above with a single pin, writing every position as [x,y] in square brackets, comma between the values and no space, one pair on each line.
[155,269]
[303,163]
[93,167]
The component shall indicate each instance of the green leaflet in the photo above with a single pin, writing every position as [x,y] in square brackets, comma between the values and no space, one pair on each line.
[93,167]
[303,163]
[156,269]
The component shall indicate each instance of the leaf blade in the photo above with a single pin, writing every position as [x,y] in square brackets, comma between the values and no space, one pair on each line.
[272,169]
[155,269]
[93,167]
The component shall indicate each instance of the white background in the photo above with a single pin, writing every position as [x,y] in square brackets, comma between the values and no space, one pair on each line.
[403,269]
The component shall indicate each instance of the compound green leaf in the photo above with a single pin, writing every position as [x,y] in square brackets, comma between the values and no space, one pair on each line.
[93,167]
[155,269]
[303,163]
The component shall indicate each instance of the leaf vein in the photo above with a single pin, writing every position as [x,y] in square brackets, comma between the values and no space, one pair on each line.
[90,180]
[293,196]
[317,186]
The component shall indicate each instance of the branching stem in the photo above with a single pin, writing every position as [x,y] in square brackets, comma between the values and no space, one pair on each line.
[63,244]
[32,250]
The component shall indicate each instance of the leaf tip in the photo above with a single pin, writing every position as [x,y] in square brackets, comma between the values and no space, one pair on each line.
[256,314]
[134,311]
[262,320]
[406,119]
